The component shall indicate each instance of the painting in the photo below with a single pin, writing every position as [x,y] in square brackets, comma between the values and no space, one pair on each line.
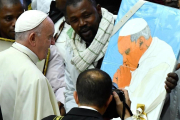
[142,52]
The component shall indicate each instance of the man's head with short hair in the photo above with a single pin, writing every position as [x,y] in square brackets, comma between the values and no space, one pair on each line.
[61,4]
[10,10]
[75,2]
[94,88]
[31,31]
[84,16]
[9,2]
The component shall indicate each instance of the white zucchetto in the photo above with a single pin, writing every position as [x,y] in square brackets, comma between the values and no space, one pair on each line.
[29,20]
[133,26]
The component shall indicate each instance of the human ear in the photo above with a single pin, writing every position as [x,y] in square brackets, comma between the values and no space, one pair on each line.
[32,39]
[109,100]
[76,97]
[98,7]
[66,20]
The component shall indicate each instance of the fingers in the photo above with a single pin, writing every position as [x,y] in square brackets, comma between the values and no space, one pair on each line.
[61,108]
[171,80]
[168,90]
[62,111]
[121,70]
[117,99]
[115,77]
[174,76]
[177,66]
[119,104]
[170,85]
[126,94]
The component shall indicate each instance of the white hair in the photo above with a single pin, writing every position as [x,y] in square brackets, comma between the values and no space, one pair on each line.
[25,34]
[146,33]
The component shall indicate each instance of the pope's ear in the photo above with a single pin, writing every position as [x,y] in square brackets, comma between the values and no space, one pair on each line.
[32,39]
[141,41]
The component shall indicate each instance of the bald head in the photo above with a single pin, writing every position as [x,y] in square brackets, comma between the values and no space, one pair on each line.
[93,87]
[94,75]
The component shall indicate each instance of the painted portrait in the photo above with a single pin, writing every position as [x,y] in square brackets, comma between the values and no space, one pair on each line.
[143,51]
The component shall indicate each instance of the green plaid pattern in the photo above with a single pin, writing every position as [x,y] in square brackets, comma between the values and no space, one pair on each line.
[85,58]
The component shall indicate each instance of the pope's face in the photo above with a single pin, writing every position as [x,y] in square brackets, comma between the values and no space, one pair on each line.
[45,38]
[130,51]
[8,16]
[84,19]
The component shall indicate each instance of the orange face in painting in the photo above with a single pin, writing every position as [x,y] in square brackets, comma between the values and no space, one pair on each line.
[131,51]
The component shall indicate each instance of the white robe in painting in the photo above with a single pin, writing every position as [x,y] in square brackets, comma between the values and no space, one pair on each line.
[25,93]
[147,82]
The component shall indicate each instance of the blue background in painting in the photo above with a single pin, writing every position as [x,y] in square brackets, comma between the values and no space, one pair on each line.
[163,21]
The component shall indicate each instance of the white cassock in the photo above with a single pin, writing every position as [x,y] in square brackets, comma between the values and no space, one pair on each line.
[147,82]
[25,93]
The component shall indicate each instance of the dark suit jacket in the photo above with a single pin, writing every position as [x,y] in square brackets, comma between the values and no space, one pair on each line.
[79,114]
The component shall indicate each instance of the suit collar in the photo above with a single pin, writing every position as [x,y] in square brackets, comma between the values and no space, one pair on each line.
[84,112]
[28,52]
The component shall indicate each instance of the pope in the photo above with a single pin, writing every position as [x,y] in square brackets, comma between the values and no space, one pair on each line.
[25,93]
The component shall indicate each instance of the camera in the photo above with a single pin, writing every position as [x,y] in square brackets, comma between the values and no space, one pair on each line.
[111,110]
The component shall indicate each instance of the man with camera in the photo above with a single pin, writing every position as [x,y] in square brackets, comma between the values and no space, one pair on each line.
[93,95]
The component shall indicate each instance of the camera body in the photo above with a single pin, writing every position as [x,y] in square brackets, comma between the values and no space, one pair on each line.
[111,111]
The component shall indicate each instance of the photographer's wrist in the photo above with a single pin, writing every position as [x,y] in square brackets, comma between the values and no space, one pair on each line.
[127,114]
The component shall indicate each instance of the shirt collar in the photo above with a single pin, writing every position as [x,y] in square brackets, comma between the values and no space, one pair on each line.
[26,51]
[86,107]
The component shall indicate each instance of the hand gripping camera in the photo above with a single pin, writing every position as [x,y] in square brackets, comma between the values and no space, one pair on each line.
[111,111]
